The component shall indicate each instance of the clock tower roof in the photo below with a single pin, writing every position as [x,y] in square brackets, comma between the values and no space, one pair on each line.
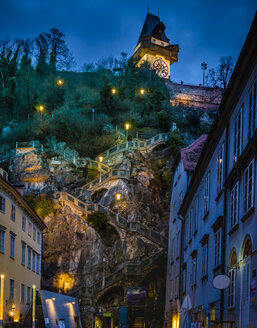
[153,27]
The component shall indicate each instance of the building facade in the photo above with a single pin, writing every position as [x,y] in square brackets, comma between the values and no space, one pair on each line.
[219,220]
[20,253]
[183,169]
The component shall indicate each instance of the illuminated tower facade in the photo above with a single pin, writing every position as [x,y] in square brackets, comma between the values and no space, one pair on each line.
[153,47]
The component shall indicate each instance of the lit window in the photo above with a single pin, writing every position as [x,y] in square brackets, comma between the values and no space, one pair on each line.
[205,260]
[12,245]
[194,271]
[238,135]
[234,205]
[252,110]
[2,240]
[11,289]
[23,223]
[218,234]
[248,187]
[2,204]
[23,252]
[13,213]
[220,171]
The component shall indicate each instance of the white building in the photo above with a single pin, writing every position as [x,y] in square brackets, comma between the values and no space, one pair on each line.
[183,169]
[218,210]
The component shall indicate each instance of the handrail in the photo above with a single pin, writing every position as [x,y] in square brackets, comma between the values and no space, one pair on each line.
[116,219]
[142,145]
[129,268]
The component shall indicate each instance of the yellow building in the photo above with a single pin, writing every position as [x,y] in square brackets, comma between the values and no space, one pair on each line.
[20,253]
[153,47]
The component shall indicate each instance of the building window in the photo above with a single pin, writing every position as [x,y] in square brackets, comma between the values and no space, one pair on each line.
[177,286]
[28,295]
[206,193]
[184,276]
[34,233]
[190,228]
[234,205]
[173,250]
[248,187]
[23,252]
[11,289]
[205,260]
[38,264]
[38,237]
[13,213]
[252,111]
[23,223]
[171,289]
[218,234]
[33,261]
[29,257]
[178,243]
[194,271]
[2,240]
[12,245]
[30,229]
[22,293]
[220,171]
[238,135]
[232,276]
[2,204]
[196,214]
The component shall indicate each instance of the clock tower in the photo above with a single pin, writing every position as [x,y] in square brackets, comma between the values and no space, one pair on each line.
[154,48]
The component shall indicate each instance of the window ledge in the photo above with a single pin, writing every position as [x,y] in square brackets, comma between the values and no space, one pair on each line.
[177,258]
[12,258]
[1,252]
[185,248]
[233,229]
[195,233]
[206,215]
[174,220]
[247,214]
[219,195]
[205,277]
[190,241]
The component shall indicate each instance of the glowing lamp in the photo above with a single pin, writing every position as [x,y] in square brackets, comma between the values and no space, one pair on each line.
[60,82]
[220,160]
[53,298]
[113,91]
[11,313]
[73,303]
[127,126]
[142,91]
[118,196]
[101,159]
[2,276]
[41,108]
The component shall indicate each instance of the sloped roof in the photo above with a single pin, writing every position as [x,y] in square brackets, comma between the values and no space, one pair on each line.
[191,154]
[151,22]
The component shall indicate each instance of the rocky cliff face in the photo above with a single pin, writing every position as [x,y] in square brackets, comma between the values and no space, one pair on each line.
[74,247]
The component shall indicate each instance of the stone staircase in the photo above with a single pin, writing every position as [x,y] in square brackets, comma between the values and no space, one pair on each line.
[115,219]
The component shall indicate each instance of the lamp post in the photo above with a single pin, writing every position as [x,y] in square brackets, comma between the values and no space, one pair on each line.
[118,197]
[41,108]
[33,306]
[142,91]
[59,82]
[204,68]
[2,302]
[127,126]
[113,91]
[100,160]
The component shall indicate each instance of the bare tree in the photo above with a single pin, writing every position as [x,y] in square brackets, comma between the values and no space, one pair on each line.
[221,75]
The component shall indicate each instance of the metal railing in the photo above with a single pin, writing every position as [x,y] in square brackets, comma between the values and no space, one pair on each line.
[114,218]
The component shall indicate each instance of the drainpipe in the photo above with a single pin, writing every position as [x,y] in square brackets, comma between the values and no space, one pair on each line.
[224,223]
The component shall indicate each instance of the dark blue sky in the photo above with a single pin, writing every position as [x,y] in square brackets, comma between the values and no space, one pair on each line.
[204,29]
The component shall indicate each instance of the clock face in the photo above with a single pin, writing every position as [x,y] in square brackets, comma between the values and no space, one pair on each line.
[161,67]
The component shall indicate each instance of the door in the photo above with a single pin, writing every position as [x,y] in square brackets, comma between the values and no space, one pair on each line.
[245,293]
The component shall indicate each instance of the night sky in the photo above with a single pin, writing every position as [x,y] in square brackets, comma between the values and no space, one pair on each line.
[204,29]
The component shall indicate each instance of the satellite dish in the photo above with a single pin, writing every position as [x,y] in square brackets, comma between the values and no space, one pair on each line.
[221,281]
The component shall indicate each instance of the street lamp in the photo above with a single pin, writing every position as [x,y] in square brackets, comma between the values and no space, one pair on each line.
[127,126]
[60,82]
[118,197]
[33,306]
[113,91]
[142,91]
[100,160]
[204,68]
[2,301]
[41,109]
